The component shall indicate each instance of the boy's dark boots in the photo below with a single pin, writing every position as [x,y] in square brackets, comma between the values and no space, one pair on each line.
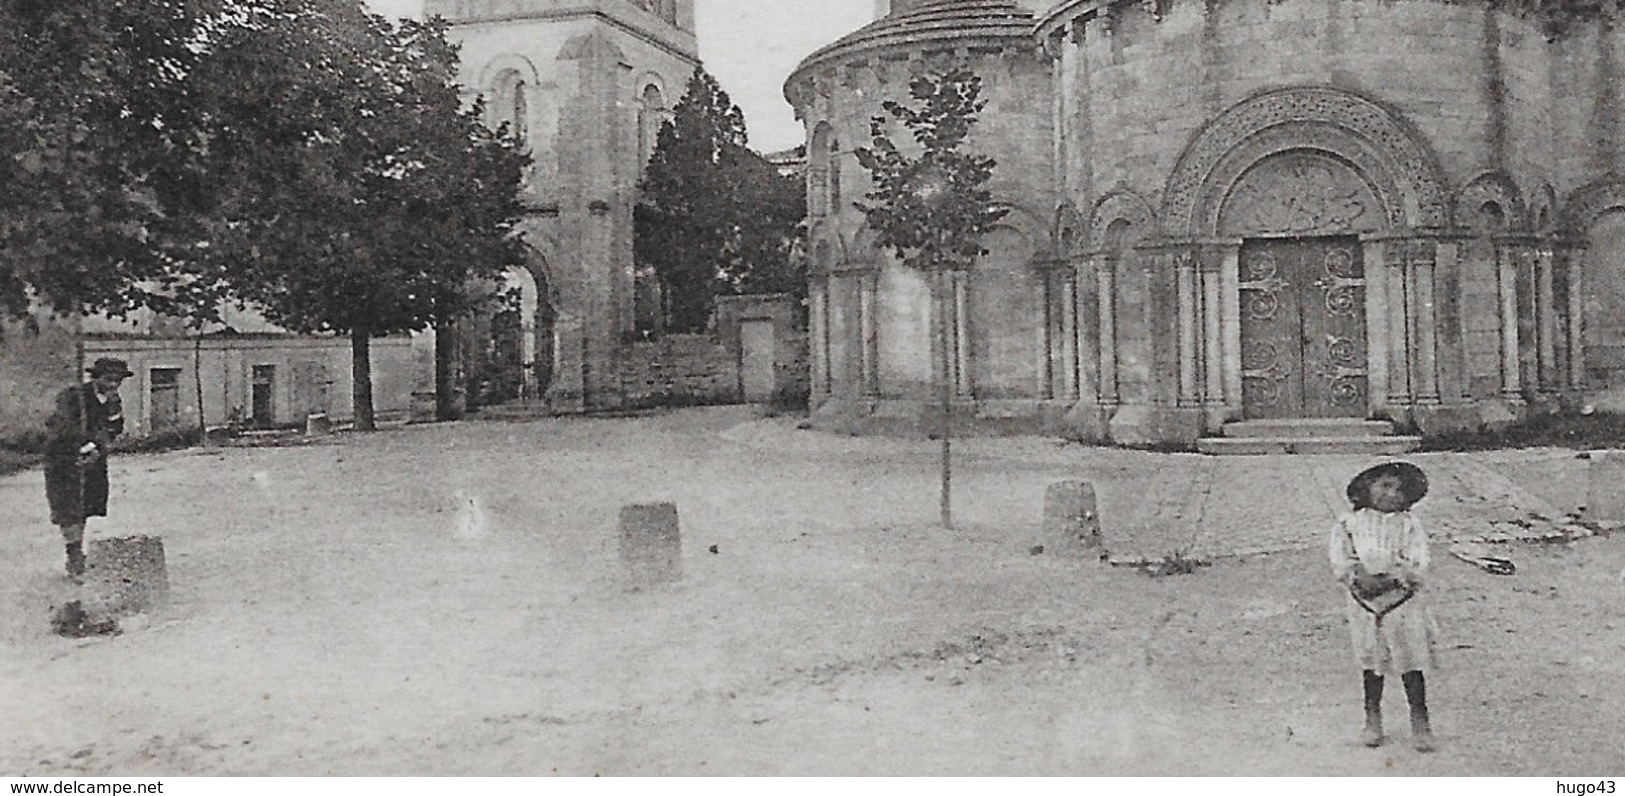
[1416,693]
[76,560]
[1371,734]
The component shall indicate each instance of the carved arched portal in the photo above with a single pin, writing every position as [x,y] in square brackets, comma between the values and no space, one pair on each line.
[1281,214]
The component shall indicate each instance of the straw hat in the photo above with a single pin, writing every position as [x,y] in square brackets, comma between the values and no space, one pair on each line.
[1413,483]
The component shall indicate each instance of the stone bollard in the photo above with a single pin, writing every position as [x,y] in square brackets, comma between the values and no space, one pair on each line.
[651,544]
[1605,487]
[1071,520]
[125,576]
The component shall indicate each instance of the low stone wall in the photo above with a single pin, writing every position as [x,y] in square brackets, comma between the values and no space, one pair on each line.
[679,369]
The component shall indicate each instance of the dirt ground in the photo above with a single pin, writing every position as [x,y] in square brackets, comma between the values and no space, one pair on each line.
[448,600]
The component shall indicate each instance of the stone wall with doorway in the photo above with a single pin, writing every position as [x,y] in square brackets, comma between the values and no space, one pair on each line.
[756,353]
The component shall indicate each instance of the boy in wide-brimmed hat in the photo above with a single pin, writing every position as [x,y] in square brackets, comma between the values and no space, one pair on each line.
[1380,553]
[87,418]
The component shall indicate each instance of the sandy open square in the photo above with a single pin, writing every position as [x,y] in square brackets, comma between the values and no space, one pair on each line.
[448,600]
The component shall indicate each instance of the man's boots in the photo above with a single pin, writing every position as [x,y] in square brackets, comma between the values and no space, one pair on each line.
[1371,734]
[1416,692]
[76,560]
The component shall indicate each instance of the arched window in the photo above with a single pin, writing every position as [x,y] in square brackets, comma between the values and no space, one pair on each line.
[510,104]
[651,116]
[818,170]
[520,111]
[834,175]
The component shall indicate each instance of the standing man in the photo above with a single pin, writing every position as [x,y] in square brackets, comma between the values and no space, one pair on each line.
[88,416]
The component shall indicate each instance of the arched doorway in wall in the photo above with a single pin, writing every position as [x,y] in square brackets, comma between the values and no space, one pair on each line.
[1276,207]
[516,360]
[1302,280]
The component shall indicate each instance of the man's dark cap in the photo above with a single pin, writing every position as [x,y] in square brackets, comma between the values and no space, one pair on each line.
[110,366]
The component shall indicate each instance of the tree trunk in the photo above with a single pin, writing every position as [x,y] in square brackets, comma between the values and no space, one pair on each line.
[197,381]
[944,337]
[361,378]
[445,353]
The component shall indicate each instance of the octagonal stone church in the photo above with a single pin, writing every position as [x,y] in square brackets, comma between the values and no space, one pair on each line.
[1224,211]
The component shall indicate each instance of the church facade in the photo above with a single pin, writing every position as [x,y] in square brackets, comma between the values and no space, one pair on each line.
[586,85]
[1406,210]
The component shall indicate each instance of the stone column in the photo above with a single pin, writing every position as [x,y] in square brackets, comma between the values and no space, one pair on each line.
[1399,326]
[1047,355]
[1576,330]
[1548,375]
[1378,341]
[1507,277]
[1230,296]
[1086,328]
[1424,322]
[818,337]
[1188,311]
[1106,273]
[1069,334]
[1210,273]
[869,342]
[567,393]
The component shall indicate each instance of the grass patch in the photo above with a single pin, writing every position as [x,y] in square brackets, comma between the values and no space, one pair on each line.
[1575,431]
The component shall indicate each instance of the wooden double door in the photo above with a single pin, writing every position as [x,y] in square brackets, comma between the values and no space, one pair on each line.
[1303,342]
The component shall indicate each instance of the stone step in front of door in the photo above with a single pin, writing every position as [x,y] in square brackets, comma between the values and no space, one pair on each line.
[1263,446]
[1309,427]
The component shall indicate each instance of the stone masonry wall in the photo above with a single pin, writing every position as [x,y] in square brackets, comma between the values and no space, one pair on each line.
[679,369]
[1151,85]
[1017,129]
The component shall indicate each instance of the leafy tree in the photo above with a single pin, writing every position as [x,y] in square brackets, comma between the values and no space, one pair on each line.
[96,143]
[683,215]
[359,196]
[930,204]
[715,217]
[762,250]
[302,156]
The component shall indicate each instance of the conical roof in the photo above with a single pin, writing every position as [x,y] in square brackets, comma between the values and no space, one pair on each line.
[933,21]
